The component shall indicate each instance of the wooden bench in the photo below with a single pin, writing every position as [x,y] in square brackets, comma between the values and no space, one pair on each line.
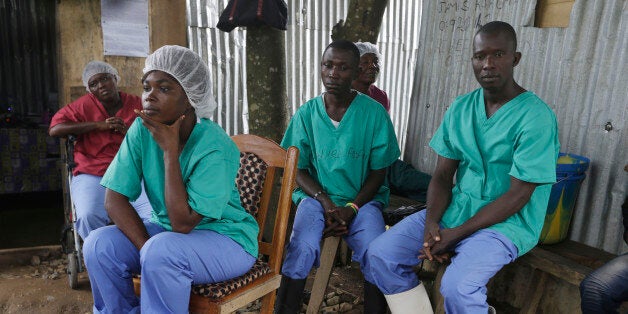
[530,284]
[545,280]
[567,262]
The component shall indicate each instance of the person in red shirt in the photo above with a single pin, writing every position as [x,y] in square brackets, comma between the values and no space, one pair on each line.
[369,70]
[99,121]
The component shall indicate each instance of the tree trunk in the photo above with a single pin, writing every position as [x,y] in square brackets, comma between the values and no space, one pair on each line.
[266,82]
[364,19]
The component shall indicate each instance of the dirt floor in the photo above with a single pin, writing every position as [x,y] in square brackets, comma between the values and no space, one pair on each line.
[34,280]
[32,270]
[33,275]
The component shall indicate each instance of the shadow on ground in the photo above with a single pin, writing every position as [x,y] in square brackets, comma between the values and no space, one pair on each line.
[30,219]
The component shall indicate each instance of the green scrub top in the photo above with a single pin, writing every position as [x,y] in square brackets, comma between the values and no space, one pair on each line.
[519,140]
[209,164]
[341,158]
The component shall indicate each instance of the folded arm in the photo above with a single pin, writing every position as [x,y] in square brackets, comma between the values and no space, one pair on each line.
[113,124]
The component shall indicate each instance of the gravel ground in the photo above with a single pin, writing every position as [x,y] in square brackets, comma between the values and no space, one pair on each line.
[34,280]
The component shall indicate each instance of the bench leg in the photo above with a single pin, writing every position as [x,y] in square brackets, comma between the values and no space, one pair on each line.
[345,254]
[438,302]
[535,292]
[328,254]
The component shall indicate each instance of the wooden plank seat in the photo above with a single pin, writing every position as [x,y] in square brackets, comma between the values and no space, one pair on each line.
[555,267]
[567,262]
[524,284]
[550,268]
[330,246]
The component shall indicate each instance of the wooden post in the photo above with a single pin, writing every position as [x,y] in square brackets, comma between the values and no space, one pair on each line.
[364,19]
[167,22]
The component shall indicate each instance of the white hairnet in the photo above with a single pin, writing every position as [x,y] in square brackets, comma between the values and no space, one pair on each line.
[96,67]
[367,47]
[190,71]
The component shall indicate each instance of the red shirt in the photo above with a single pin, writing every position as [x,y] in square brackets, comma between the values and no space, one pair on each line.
[379,95]
[94,151]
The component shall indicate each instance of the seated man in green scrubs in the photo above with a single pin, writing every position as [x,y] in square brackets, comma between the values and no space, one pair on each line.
[501,143]
[346,140]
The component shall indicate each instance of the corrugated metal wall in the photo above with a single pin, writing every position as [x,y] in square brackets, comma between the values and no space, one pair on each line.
[581,71]
[28,76]
[309,28]
[399,44]
[225,54]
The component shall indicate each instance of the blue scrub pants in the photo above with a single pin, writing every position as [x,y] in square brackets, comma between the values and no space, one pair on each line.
[169,262]
[392,256]
[603,290]
[88,197]
[304,249]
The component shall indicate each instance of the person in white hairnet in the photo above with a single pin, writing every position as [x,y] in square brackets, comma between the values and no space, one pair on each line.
[368,72]
[199,233]
[401,177]
[99,120]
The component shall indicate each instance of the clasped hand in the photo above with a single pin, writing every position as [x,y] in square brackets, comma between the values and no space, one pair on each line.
[115,124]
[337,221]
[438,243]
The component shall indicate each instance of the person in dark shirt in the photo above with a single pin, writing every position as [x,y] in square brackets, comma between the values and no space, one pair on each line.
[604,289]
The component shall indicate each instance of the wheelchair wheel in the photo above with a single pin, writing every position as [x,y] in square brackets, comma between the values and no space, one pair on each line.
[73,271]
[67,239]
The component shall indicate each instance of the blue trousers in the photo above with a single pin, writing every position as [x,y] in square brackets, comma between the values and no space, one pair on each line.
[392,256]
[304,249]
[88,197]
[169,262]
[604,289]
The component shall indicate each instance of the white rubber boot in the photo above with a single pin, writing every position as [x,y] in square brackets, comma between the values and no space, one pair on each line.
[414,300]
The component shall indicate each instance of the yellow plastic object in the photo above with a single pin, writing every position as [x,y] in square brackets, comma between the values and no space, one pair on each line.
[567,160]
[560,208]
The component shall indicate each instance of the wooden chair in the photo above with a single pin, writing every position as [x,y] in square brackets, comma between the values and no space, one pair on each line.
[260,158]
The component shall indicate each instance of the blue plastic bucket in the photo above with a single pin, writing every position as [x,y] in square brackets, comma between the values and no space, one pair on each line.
[563,196]
[577,164]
